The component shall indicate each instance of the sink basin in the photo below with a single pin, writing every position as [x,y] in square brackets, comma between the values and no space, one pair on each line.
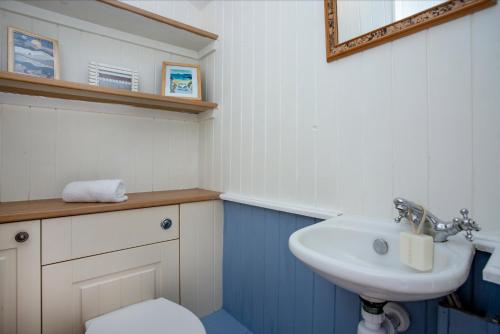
[341,250]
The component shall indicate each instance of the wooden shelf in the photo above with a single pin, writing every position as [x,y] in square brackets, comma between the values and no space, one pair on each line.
[124,17]
[28,85]
[53,208]
[159,18]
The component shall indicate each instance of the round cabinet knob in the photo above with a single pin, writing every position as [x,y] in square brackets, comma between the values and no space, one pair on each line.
[166,223]
[22,236]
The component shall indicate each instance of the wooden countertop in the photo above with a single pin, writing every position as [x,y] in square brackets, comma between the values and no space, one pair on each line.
[53,208]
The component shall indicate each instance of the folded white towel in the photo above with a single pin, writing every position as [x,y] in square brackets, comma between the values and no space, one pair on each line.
[95,191]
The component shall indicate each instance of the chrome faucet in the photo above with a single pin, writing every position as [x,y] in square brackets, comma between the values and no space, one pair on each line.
[435,227]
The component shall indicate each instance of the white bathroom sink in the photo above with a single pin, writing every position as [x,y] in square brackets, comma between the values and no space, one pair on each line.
[341,250]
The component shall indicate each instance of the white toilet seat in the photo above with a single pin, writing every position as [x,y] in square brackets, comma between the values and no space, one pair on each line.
[159,316]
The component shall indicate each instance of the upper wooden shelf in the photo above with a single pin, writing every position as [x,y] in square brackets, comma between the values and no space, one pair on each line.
[28,85]
[124,17]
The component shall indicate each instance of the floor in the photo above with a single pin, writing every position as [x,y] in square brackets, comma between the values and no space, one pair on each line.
[222,322]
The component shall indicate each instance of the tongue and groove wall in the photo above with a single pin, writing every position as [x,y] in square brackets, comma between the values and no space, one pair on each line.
[268,290]
[418,117]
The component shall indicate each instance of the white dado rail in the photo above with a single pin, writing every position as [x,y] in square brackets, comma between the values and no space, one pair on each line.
[281,206]
[491,272]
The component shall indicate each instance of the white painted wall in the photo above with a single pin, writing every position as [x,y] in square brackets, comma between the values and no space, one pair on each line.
[418,117]
[45,143]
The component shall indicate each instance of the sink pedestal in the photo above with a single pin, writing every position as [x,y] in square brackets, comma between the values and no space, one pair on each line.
[380,317]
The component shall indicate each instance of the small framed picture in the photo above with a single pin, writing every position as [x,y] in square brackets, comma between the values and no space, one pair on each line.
[104,75]
[32,54]
[181,80]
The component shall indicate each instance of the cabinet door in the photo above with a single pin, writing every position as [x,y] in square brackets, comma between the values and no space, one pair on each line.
[201,228]
[20,279]
[79,290]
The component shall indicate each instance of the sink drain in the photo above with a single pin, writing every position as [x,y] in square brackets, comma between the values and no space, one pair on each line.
[380,246]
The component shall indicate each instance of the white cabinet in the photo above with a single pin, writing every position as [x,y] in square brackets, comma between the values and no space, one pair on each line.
[201,256]
[93,264]
[78,290]
[20,279]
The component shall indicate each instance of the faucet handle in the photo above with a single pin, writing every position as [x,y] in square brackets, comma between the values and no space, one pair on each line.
[467,224]
[468,235]
[465,213]
[401,205]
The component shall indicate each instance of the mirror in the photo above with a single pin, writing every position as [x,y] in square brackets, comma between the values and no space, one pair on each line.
[355,25]
[358,17]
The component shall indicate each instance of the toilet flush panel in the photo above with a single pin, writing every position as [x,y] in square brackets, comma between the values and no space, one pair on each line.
[78,290]
[74,237]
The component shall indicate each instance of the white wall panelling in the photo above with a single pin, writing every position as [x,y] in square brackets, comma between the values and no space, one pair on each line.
[450,126]
[417,117]
[201,233]
[46,143]
[486,117]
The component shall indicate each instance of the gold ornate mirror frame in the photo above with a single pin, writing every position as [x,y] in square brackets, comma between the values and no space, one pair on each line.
[446,11]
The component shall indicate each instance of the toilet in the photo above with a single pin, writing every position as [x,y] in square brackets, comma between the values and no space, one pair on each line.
[158,316]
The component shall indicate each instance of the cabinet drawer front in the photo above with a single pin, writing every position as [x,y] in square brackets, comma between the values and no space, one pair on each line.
[78,290]
[79,236]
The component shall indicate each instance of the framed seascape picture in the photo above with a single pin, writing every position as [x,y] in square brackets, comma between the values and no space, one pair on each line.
[181,80]
[32,54]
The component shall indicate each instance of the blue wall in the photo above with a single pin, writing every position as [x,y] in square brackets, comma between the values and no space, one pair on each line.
[269,291]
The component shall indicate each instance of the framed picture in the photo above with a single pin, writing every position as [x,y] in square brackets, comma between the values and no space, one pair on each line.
[181,80]
[104,75]
[32,54]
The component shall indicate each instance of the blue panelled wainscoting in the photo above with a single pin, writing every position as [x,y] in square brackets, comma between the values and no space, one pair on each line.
[267,290]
